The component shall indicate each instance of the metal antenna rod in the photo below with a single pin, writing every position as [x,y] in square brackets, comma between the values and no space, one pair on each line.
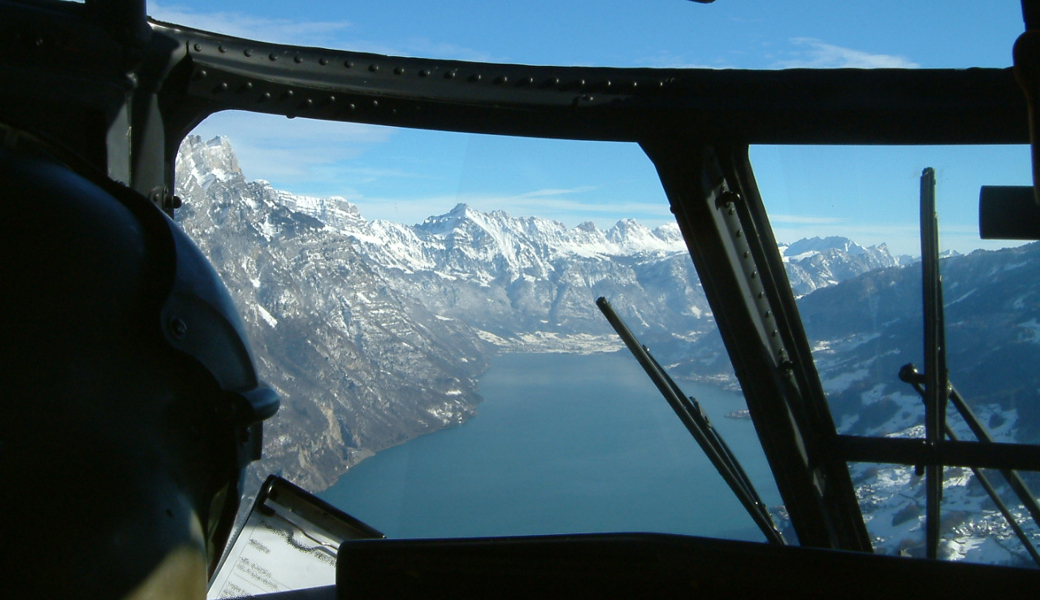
[936,379]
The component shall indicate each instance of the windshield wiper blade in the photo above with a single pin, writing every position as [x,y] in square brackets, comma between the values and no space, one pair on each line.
[696,422]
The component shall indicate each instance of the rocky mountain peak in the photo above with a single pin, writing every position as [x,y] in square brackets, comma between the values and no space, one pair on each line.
[459,217]
[207,162]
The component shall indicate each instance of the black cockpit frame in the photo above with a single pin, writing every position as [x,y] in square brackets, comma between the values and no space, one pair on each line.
[121,93]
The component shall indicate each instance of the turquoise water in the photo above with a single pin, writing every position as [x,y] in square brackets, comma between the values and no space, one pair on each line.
[561,444]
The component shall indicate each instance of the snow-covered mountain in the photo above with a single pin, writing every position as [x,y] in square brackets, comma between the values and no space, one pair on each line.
[529,283]
[816,263]
[524,279]
[375,331]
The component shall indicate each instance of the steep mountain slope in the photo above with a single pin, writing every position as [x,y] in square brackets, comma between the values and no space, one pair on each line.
[865,329]
[359,365]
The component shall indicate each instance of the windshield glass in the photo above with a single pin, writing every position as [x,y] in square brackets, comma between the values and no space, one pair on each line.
[438,292]
[403,282]
[864,330]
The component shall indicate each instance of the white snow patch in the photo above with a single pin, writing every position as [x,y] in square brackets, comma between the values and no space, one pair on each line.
[916,431]
[836,385]
[970,292]
[978,550]
[847,422]
[491,338]
[873,394]
[273,322]
[1032,331]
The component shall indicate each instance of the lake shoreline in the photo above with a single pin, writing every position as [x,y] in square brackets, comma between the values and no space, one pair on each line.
[564,444]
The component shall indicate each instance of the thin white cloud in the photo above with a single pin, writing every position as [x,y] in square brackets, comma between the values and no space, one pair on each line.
[336,34]
[665,59]
[237,24]
[811,53]
[427,48]
[556,192]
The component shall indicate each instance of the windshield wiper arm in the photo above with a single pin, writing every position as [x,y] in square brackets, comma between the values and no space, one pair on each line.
[691,415]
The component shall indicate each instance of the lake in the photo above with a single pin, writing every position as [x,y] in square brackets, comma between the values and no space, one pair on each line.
[562,443]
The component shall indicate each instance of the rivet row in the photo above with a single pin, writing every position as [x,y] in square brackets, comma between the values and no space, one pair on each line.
[580,83]
[288,95]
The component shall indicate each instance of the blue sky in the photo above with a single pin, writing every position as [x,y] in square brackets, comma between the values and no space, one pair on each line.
[867,194]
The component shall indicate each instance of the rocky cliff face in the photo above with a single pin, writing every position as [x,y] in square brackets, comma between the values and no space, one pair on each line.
[360,365]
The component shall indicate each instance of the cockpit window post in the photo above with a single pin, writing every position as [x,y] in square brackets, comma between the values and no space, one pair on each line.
[714,197]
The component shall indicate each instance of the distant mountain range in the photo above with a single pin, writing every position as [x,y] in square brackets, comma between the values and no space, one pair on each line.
[376,332]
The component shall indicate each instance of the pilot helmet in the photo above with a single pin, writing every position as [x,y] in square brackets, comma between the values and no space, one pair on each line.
[130,399]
